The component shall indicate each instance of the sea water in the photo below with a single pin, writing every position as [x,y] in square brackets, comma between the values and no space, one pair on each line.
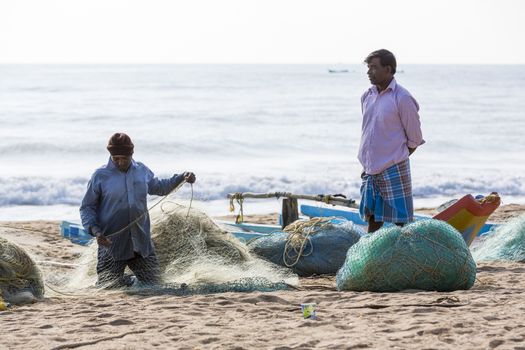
[257,128]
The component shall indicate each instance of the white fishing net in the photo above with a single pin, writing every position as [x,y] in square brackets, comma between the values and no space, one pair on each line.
[194,256]
[506,242]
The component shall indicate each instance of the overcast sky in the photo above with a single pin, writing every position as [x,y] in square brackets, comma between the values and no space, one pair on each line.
[260,31]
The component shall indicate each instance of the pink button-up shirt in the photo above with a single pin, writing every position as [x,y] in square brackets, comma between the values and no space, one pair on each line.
[390,126]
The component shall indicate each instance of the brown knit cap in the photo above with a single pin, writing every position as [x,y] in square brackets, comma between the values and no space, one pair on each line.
[120,145]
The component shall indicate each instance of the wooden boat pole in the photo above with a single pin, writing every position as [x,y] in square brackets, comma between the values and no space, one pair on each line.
[328,199]
[290,210]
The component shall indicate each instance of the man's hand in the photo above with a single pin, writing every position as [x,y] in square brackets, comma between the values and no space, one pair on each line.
[189,177]
[103,240]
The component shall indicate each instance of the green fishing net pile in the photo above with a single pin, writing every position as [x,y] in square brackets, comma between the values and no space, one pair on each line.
[242,285]
[427,255]
[506,242]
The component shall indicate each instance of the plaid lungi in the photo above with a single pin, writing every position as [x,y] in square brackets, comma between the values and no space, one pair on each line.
[388,195]
[111,272]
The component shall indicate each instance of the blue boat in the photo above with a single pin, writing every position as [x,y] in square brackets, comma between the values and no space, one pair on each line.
[243,231]
[246,231]
[353,215]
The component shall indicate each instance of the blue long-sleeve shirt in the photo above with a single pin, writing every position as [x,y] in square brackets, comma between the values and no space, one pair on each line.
[115,198]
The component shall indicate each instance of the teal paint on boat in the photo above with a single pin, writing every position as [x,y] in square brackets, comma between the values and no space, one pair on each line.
[246,232]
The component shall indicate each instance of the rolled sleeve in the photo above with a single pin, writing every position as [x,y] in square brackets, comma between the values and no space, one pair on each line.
[162,187]
[408,111]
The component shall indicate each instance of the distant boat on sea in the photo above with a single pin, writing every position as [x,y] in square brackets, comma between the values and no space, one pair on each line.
[338,71]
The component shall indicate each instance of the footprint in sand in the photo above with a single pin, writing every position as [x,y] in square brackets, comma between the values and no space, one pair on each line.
[495,343]
[209,340]
[120,322]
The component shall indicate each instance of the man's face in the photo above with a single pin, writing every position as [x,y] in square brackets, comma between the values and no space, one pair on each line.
[122,162]
[378,74]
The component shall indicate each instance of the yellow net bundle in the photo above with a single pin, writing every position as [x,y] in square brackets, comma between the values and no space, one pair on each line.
[183,236]
[20,279]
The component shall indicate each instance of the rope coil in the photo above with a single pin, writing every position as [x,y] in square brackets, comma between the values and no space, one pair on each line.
[299,233]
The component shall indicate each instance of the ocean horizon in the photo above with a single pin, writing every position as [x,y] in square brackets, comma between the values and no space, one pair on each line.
[249,127]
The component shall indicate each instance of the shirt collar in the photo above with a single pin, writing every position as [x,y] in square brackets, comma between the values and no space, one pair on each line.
[112,165]
[391,86]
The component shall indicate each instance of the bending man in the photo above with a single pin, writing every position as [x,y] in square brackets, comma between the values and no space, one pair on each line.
[114,210]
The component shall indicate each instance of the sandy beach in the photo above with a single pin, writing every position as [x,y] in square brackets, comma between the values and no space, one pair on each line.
[169,119]
[490,315]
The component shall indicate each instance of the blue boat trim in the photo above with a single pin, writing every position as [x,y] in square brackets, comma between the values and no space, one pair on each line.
[353,215]
[245,232]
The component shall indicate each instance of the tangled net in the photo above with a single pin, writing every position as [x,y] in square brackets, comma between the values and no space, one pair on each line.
[506,242]
[20,279]
[195,256]
[427,254]
[182,237]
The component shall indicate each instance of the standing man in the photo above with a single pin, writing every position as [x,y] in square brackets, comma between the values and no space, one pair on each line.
[114,210]
[391,132]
